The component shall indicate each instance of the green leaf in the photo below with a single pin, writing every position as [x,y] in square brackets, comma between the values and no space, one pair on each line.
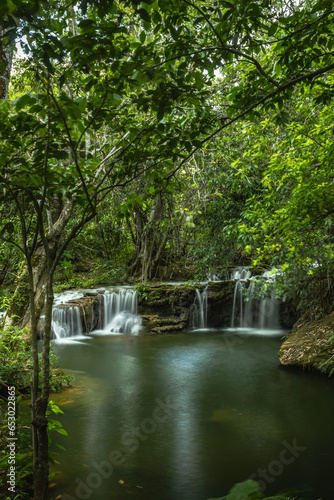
[117,99]
[144,15]
[24,100]
[161,110]
[60,446]
[272,30]
[142,36]
[8,228]
[85,23]
[62,431]
[47,63]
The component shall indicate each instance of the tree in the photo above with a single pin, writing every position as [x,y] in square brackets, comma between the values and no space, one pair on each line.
[144,75]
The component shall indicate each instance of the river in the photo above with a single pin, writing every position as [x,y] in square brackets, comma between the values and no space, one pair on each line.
[178,417]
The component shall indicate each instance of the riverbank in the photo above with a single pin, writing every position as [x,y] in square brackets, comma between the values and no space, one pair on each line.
[310,346]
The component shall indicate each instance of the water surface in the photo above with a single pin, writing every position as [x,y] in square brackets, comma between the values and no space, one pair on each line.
[187,416]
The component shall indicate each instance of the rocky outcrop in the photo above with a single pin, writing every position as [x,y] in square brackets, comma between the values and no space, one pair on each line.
[220,303]
[167,308]
[311,345]
[90,306]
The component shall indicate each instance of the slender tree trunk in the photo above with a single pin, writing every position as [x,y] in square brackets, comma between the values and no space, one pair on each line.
[153,237]
[41,448]
[34,347]
[20,310]
[6,58]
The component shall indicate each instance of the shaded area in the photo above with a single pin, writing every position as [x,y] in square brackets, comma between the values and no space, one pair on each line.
[187,416]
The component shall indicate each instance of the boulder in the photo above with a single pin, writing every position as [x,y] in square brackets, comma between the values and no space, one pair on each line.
[310,345]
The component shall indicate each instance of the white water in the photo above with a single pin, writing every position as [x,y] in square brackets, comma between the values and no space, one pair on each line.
[255,309]
[241,273]
[63,297]
[66,322]
[199,310]
[117,314]
[120,312]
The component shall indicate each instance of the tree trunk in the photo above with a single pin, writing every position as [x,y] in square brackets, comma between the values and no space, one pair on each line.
[20,309]
[40,422]
[154,240]
[6,58]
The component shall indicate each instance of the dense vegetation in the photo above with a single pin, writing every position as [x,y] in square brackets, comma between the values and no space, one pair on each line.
[162,139]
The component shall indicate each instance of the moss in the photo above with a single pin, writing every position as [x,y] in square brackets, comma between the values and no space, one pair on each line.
[20,298]
[310,345]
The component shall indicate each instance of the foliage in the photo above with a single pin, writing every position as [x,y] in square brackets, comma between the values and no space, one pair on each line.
[142,290]
[16,362]
[101,272]
[54,426]
[129,92]
[23,457]
[250,490]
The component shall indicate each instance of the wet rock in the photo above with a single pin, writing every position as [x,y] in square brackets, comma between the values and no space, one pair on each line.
[310,345]
[220,303]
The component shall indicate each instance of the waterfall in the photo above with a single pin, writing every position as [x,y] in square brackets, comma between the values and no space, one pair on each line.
[247,318]
[238,297]
[66,322]
[240,275]
[212,276]
[117,313]
[199,309]
[258,307]
[120,312]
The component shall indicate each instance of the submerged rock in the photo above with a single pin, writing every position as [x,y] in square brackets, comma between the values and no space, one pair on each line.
[311,345]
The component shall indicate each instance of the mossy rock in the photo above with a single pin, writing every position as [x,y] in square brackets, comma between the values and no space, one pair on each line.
[311,345]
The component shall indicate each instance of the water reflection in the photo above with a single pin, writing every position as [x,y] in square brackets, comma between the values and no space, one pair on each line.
[190,415]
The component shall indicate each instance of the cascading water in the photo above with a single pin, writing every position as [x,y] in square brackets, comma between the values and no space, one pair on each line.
[238,297]
[120,312]
[269,305]
[212,276]
[66,322]
[240,275]
[258,308]
[199,310]
[117,313]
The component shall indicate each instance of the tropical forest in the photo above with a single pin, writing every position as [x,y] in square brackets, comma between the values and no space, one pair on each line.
[166,249]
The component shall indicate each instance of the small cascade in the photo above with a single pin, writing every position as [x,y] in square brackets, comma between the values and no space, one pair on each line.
[116,313]
[66,322]
[212,276]
[199,310]
[269,312]
[258,307]
[269,305]
[120,312]
[238,298]
[240,275]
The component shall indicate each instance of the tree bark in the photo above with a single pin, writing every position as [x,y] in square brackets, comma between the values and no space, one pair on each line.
[20,310]
[6,58]
[153,240]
